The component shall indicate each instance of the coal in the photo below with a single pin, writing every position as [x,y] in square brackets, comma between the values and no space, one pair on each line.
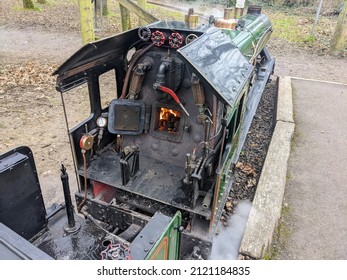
[252,156]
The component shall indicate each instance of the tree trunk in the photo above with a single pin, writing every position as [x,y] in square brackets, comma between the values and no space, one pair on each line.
[339,41]
[28,4]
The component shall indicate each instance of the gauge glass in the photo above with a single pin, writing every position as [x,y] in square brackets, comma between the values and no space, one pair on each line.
[101,122]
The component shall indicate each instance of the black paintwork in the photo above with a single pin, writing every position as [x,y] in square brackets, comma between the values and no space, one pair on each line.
[21,203]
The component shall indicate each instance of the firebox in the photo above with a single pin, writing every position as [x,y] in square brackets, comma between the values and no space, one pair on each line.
[167,122]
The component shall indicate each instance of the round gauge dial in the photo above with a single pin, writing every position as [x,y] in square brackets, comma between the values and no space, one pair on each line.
[190,38]
[101,122]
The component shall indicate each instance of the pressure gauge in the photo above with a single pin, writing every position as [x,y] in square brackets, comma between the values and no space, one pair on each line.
[101,122]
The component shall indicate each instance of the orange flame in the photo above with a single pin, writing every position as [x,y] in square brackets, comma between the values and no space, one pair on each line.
[164,113]
[168,120]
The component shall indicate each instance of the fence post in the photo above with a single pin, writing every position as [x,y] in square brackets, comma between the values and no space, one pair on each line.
[135,9]
[142,4]
[316,18]
[86,19]
[125,18]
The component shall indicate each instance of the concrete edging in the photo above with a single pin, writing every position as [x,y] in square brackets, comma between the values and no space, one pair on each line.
[267,202]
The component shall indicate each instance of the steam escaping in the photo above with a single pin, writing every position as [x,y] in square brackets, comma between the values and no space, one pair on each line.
[207,9]
[200,7]
[227,243]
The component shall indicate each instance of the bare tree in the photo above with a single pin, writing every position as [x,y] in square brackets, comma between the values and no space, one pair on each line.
[28,4]
[339,41]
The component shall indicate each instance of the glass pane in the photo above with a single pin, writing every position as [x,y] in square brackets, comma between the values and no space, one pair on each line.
[77,104]
[108,88]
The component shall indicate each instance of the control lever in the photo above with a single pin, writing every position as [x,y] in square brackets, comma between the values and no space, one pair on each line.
[174,96]
[71,226]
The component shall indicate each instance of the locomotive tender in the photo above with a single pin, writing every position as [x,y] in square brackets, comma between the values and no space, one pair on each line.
[155,166]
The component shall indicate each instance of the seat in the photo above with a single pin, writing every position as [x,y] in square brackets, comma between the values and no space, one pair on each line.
[22,207]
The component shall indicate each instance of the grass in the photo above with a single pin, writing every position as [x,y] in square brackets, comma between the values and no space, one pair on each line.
[286,28]
[280,236]
[166,13]
[295,26]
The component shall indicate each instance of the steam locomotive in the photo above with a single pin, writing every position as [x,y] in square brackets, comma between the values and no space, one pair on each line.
[154,166]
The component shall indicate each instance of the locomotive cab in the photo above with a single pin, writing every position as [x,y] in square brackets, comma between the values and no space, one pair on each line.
[158,158]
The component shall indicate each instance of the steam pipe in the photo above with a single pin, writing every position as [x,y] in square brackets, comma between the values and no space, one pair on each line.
[214,116]
[224,125]
[207,135]
[131,66]
[186,180]
[137,78]
[207,199]
[161,74]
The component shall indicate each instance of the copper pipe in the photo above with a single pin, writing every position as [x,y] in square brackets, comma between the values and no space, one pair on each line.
[131,66]
[85,181]
[214,115]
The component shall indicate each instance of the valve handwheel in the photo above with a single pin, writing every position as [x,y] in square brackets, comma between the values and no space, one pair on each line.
[158,38]
[175,40]
[144,33]
[118,251]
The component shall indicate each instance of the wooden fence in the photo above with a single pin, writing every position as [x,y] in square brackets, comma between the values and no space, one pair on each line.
[87,16]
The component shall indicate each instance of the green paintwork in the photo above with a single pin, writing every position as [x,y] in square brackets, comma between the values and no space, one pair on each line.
[252,35]
[171,235]
[250,41]
[227,164]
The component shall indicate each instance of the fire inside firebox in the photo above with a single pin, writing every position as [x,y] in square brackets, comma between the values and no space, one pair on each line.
[168,120]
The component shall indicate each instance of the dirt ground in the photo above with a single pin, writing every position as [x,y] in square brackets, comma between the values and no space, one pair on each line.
[34,43]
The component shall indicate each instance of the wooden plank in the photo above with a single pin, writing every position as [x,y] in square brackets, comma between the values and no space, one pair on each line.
[133,8]
[142,4]
[125,18]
